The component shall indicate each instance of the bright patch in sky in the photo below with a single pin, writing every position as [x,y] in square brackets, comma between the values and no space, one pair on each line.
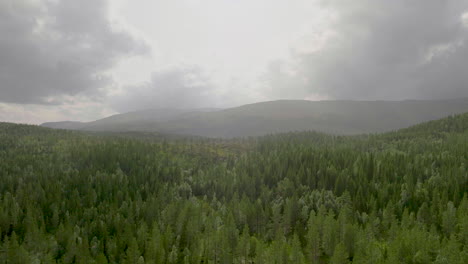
[465,19]
[232,41]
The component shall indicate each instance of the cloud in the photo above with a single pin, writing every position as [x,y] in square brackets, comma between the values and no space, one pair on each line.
[464,19]
[51,49]
[185,88]
[68,54]
[70,109]
[382,49]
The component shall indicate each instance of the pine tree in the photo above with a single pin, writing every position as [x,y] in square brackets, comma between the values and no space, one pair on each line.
[132,254]
[339,255]
[313,238]
[296,255]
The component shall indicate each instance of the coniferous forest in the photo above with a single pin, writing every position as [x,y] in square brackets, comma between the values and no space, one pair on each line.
[302,197]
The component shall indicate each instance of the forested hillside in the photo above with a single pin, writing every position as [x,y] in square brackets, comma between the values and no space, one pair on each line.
[399,197]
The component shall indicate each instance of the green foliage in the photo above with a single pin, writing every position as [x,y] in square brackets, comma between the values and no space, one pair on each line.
[399,197]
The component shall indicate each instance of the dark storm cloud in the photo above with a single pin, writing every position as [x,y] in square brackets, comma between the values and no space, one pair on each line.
[384,50]
[50,49]
[183,88]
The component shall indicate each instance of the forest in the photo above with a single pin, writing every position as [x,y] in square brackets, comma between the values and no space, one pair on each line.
[298,197]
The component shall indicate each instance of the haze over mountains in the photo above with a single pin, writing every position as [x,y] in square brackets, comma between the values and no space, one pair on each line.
[338,117]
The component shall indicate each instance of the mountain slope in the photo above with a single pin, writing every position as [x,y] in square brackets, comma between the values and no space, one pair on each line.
[340,117]
[71,125]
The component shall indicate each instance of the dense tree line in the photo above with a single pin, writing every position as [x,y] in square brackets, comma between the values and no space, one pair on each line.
[399,197]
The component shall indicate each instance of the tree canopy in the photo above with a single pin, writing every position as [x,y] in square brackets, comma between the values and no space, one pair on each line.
[303,197]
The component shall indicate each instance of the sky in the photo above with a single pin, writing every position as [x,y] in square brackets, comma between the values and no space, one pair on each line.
[88,59]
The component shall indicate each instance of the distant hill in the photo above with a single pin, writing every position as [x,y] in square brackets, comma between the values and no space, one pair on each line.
[71,125]
[338,117]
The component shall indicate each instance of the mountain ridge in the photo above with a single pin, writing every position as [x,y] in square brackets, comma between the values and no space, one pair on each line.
[336,117]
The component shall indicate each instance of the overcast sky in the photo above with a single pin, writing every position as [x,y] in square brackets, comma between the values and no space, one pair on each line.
[87,59]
